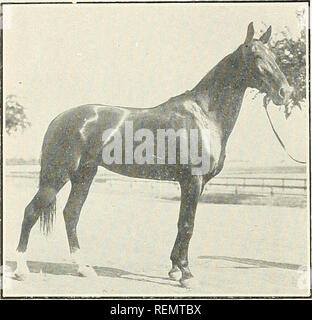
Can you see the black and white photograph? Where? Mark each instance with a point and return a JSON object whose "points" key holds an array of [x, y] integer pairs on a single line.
{"points": [[155, 149]]}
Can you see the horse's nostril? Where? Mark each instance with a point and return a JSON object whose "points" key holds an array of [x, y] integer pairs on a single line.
{"points": [[282, 93]]}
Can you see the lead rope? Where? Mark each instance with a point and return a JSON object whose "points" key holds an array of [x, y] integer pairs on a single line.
{"points": [[265, 104]]}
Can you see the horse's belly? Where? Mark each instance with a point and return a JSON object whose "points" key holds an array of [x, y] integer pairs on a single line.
{"points": [[149, 171]]}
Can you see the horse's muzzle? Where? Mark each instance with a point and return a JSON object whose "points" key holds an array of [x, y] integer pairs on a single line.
{"points": [[284, 95]]}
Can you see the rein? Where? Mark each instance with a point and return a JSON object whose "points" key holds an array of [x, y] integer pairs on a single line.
{"points": [[265, 104]]}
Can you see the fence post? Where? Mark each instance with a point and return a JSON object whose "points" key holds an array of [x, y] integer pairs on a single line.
{"points": [[236, 195]]}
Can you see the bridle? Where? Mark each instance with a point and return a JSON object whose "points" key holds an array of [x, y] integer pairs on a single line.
{"points": [[265, 104]]}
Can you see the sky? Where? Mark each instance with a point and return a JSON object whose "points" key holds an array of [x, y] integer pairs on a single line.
{"points": [[60, 56]]}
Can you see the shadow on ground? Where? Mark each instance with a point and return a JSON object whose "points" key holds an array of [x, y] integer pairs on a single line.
{"points": [[254, 262], [278, 200], [72, 270]]}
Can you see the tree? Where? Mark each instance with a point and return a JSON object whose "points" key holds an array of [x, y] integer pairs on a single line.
{"points": [[290, 55], [15, 117]]}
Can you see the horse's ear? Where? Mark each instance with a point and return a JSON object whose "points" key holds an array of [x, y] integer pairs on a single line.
{"points": [[250, 33], [266, 36]]}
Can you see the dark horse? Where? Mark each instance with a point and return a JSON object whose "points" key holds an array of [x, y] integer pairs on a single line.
{"points": [[73, 144]]}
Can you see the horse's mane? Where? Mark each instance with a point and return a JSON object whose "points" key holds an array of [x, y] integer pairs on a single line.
{"points": [[220, 72]]}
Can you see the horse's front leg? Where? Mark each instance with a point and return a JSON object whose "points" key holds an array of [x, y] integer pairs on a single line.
{"points": [[190, 192]]}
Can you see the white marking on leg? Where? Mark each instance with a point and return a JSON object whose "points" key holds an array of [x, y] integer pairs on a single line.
{"points": [[21, 265], [84, 269], [76, 257]]}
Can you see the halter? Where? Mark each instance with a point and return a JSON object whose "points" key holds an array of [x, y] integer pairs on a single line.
{"points": [[265, 104]]}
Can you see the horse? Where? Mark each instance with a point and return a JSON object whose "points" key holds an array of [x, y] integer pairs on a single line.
{"points": [[73, 146]]}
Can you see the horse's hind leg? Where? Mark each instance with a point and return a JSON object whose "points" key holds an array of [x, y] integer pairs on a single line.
{"points": [[81, 182], [44, 198]]}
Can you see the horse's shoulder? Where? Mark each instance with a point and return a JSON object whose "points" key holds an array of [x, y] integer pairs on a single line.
{"points": [[190, 108]]}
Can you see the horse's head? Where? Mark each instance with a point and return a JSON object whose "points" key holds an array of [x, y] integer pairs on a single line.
{"points": [[263, 72]]}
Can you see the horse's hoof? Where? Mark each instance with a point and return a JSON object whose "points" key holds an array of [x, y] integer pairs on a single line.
{"points": [[21, 272], [86, 271], [174, 275], [189, 283], [20, 275]]}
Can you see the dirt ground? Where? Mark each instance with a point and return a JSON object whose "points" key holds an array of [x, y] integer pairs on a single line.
{"points": [[235, 250]]}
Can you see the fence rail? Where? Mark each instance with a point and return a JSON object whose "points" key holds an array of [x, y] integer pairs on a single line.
{"points": [[235, 184], [262, 183]]}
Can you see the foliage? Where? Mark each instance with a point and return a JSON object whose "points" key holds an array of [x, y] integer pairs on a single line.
{"points": [[291, 58], [290, 55], [15, 117]]}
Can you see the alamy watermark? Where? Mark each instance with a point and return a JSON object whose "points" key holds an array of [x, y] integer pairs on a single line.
{"points": [[184, 147]]}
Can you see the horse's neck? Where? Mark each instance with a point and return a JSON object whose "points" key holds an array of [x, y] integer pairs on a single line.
{"points": [[220, 93]]}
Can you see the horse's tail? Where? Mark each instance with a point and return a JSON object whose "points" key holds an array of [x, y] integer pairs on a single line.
{"points": [[47, 217], [48, 213], [53, 170]]}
